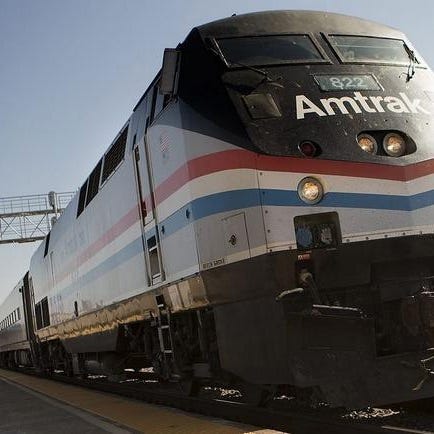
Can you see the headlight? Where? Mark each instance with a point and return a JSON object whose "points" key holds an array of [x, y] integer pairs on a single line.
{"points": [[310, 190], [367, 143], [394, 145]]}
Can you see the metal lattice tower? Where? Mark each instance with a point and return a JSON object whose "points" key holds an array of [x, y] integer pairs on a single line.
{"points": [[29, 218]]}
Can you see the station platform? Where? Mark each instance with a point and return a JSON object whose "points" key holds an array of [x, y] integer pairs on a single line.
{"points": [[33, 405]]}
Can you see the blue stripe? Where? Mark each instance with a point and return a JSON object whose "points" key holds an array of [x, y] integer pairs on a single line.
{"points": [[353, 200], [209, 205], [379, 201], [241, 199], [129, 251]]}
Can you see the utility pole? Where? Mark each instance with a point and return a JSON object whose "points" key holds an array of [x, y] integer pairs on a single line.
{"points": [[24, 219]]}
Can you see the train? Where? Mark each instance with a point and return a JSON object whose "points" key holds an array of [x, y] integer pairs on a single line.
{"points": [[264, 218]]}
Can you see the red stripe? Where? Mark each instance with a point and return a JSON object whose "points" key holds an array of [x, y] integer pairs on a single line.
{"points": [[117, 229], [241, 159], [205, 165], [347, 168]]}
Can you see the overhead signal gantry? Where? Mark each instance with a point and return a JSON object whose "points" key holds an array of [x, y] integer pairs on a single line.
{"points": [[24, 219]]}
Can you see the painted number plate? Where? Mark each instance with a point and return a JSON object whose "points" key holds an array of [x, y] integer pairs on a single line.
{"points": [[338, 82]]}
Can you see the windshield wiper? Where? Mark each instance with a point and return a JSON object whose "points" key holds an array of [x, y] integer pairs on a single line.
{"points": [[411, 69], [265, 75]]}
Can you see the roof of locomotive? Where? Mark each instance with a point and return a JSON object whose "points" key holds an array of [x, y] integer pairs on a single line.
{"points": [[269, 22]]}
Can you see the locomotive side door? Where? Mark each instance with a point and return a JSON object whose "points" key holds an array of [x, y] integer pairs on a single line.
{"points": [[145, 192]]}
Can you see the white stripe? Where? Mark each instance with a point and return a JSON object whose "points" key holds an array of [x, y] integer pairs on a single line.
{"points": [[356, 224], [103, 254], [347, 184], [219, 182], [240, 179], [374, 235]]}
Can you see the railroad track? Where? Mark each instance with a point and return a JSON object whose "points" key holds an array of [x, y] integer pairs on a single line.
{"points": [[294, 422]]}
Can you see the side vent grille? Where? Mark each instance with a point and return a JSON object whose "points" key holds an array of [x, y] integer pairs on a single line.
{"points": [[82, 198], [93, 183], [114, 155]]}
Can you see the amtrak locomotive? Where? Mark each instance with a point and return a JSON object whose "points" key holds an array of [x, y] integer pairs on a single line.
{"points": [[265, 215]]}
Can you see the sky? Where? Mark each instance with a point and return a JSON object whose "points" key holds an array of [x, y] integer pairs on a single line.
{"points": [[71, 72]]}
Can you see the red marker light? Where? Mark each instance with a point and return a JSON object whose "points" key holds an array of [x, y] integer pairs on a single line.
{"points": [[308, 149]]}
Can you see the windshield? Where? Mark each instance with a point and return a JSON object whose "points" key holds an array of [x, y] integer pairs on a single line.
{"points": [[266, 50], [371, 50]]}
